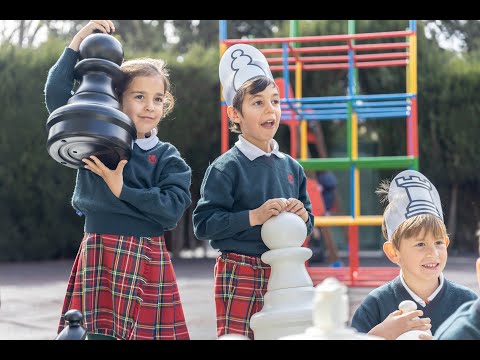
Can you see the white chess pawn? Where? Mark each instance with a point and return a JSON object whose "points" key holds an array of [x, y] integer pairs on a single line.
{"points": [[408, 306], [287, 307]]}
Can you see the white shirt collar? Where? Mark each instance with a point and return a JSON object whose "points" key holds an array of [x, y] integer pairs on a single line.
{"points": [[252, 152], [416, 297], [150, 142]]}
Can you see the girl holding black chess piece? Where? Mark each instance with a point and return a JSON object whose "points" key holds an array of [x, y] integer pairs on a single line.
{"points": [[122, 279]]}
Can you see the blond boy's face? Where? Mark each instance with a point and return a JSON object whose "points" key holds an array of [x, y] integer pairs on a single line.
{"points": [[422, 257], [260, 117]]}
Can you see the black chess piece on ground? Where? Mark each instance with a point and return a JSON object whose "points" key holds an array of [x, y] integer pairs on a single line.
{"points": [[74, 330], [91, 123]]}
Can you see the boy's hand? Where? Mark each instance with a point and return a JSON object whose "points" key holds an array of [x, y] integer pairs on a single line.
{"points": [[296, 206], [113, 178], [398, 323], [270, 208], [105, 26]]}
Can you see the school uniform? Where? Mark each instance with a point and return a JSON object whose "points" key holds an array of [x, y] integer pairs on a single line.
{"points": [[122, 278], [238, 181]]}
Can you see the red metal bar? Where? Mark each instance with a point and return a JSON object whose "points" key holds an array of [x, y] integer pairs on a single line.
{"points": [[306, 59], [224, 129], [383, 46], [321, 49], [293, 124], [325, 66], [292, 127], [364, 36], [307, 50], [372, 64], [367, 276], [383, 56], [338, 66], [363, 57], [280, 68], [353, 252]]}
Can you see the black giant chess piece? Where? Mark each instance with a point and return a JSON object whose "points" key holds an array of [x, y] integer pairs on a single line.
{"points": [[74, 330], [91, 123]]}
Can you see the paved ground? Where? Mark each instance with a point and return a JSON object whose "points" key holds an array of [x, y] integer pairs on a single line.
{"points": [[31, 294]]}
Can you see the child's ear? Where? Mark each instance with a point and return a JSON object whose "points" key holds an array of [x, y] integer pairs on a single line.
{"points": [[447, 241], [391, 252], [232, 114]]}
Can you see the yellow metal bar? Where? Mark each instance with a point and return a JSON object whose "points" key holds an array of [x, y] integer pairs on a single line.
{"points": [[354, 135], [303, 140], [356, 175], [303, 122], [365, 220], [413, 65], [357, 192], [222, 48]]}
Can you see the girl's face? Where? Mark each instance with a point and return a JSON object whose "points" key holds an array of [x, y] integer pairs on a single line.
{"points": [[260, 117], [142, 101]]}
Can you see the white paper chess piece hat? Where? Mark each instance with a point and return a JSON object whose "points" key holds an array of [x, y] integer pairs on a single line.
{"points": [[410, 194], [241, 62]]}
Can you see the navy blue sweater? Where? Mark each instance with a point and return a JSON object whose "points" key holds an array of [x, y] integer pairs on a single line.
{"points": [[156, 182], [385, 299], [463, 324], [233, 185]]}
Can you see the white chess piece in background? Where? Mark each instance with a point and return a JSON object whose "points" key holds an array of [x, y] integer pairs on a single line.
{"points": [[408, 306], [330, 315]]}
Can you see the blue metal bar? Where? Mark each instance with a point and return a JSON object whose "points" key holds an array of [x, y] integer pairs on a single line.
{"points": [[222, 30]]}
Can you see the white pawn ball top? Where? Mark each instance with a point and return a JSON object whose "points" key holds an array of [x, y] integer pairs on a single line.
{"points": [[407, 306], [283, 231]]}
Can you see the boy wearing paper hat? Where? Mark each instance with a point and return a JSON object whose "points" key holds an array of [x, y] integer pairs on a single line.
{"points": [[417, 242], [246, 186]]}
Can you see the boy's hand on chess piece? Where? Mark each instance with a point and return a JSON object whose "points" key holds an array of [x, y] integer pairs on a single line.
{"points": [[398, 323], [113, 178], [104, 26], [271, 207], [296, 206]]}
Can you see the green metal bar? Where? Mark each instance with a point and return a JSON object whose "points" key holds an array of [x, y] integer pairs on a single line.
{"points": [[294, 31], [317, 164], [416, 164], [385, 162], [378, 162]]}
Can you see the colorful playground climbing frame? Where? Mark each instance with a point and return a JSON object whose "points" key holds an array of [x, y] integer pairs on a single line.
{"points": [[289, 57]]}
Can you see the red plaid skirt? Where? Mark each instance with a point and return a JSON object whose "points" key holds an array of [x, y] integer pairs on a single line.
{"points": [[240, 285], [126, 287]]}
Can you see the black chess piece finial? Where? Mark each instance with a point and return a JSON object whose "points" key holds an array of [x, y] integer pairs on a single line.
{"points": [[74, 330], [91, 123]]}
